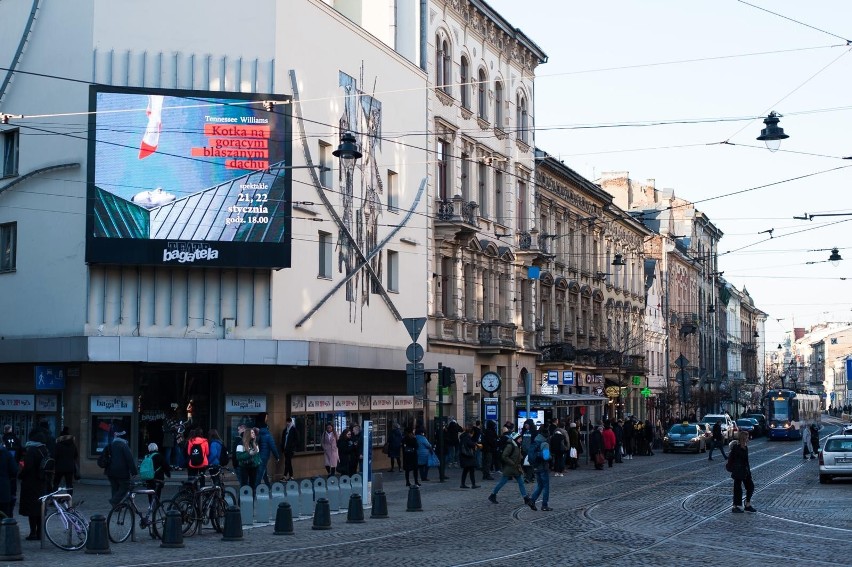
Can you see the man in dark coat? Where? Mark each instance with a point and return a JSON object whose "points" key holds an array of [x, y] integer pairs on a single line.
{"points": [[8, 481], [267, 447], [33, 486], [66, 455], [11, 442], [289, 443], [489, 447], [121, 467], [741, 473]]}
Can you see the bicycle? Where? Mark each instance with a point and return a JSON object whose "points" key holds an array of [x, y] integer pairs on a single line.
{"points": [[65, 527], [121, 519], [199, 505]]}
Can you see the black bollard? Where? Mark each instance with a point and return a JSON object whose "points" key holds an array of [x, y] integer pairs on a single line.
{"points": [[172, 530], [233, 525], [355, 515], [322, 515], [414, 504], [10, 540], [98, 540], [284, 519], [380, 505]]}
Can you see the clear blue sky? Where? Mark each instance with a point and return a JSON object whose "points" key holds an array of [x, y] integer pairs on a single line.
{"points": [[613, 62]]}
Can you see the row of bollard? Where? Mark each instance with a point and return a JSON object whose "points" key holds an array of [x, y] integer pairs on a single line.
{"points": [[259, 504], [172, 537]]}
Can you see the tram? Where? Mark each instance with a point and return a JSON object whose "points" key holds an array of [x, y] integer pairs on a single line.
{"points": [[788, 411]]}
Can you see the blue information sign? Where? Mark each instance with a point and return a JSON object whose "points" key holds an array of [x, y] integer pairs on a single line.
{"points": [[553, 377], [491, 411], [568, 377], [50, 377]]}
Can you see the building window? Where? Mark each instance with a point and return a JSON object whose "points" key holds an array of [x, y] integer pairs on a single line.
{"points": [[482, 91], [393, 191], [442, 65], [8, 246], [522, 118], [483, 189], [499, 212], [325, 162], [521, 213], [465, 176], [10, 153], [464, 95], [498, 104], [325, 247], [393, 271], [444, 185]]}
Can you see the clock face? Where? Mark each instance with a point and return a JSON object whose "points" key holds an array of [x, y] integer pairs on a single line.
{"points": [[491, 382]]}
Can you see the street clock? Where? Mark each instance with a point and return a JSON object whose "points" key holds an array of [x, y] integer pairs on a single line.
{"points": [[490, 382]]}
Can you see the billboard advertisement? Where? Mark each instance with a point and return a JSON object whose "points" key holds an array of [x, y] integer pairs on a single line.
{"points": [[188, 178]]}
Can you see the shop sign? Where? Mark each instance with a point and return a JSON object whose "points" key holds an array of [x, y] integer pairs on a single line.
{"points": [[298, 404], [111, 404], [17, 402], [568, 377], [381, 403], [363, 403], [403, 402], [613, 391], [594, 379], [418, 403], [320, 403], [46, 403], [345, 403], [245, 403]]}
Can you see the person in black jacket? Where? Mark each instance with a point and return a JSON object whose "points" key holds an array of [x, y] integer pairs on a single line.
{"points": [[161, 470], [33, 486], [121, 467], [11, 441], [489, 447], [65, 454], [8, 481], [741, 472]]}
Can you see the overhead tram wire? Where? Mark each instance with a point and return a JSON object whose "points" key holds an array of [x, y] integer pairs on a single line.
{"points": [[848, 42]]}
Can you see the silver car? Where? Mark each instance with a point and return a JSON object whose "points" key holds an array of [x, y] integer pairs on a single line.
{"points": [[835, 459]]}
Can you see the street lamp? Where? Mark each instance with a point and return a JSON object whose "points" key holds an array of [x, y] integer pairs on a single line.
{"points": [[835, 257], [772, 134], [618, 260], [348, 148]]}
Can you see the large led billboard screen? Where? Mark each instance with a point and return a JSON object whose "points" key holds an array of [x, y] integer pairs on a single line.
{"points": [[190, 178]]}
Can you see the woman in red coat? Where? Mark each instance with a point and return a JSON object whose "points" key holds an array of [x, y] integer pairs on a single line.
{"points": [[608, 443]]}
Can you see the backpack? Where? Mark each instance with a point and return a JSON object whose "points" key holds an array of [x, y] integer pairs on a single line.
{"points": [[105, 458], [47, 468], [146, 469], [224, 456], [196, 456]]}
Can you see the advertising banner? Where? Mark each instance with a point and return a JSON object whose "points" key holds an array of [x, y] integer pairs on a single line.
{"points": [[191, 178]]}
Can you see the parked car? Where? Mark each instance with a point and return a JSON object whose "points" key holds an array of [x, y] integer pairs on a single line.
{"points": [[685, 437], [761, 420], [835, 459], [728, 426], [750, 425]]}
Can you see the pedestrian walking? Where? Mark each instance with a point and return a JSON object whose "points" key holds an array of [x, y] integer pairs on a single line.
{"points": [[289, 442], [814, 440], [489, 448], [8, 481], [806, 442], [266, 449], [528, 432], [395, 447], [575, 447], [424, 450], [510, 467], [331, 456], [66, 455], [540, 461], [409, 456], [33, 485], [247, 455], [121, 467], [467, 456], [558, 442], [161, 470], [596, 448], [717, 441], [649, 437], [741, 473], [608, 438]]}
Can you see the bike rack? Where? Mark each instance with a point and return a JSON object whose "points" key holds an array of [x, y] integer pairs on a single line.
{"points": [[61, 497]]}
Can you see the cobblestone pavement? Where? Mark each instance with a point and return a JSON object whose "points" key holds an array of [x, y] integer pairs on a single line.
{"points": [[664, 510]]}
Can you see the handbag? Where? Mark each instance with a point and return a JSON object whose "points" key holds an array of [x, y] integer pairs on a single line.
{"points": [[599, 458], [573, 453], [433, 460]]}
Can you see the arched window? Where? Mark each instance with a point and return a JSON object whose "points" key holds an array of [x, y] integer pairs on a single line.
{"points": [[498, 104], [465, 83], [522, 118], [442, 65], [481, 89]]}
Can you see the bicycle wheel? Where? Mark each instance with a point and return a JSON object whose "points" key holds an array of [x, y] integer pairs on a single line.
{"points": [[120, 523], [158, 521], [187, 514], [231, 499], [217, 514], [66, 531]]}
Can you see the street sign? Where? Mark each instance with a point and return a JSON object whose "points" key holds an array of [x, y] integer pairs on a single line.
{"points": [[682, 361], [414, 326], [414, 352], [50, 377]]}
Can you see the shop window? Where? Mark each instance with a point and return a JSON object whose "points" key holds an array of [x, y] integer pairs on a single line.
{"points": [[102, 432]]}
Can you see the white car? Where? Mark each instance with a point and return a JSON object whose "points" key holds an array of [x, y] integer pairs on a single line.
{"points": [[728, 427]]}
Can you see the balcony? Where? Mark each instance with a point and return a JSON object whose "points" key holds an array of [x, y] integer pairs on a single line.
{"points": [[493, 337], [456, 216], [557, 352]]}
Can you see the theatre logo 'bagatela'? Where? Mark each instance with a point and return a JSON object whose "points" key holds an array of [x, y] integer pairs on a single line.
{"points": [[189, 177]]}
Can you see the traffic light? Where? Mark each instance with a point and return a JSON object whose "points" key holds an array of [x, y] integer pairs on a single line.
{"points": [[447, 376]]}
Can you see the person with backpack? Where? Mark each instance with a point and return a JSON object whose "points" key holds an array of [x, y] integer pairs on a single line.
{"points": [[121, 466], [510, 459], [8, 481], [154, 469], [559, 448], [539, 457], [66, 456], [34, 483], [197, 453]]}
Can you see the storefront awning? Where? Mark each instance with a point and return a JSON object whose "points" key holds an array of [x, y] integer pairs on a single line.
{"points": [[560, 400]]}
